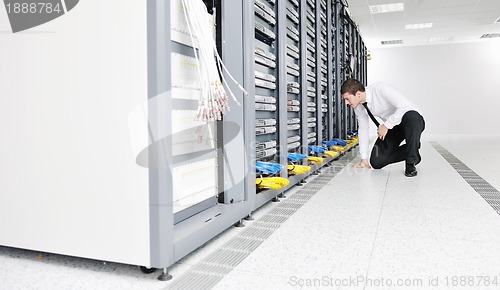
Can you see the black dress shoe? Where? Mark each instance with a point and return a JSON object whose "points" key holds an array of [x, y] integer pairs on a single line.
{"points": [[410, 171]]}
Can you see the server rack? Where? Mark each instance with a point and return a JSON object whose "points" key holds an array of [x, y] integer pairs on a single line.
{"points": [[222, 165], [324, 105], [350, 63], [331, 68], [295, 115], [362, 61], [309, 76], [267, 70], [336, 40], [356, 62]]}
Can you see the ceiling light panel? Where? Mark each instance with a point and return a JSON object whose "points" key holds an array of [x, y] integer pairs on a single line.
{"points": [[418, 26], [490, 35], [375, 9], [441, 39]]}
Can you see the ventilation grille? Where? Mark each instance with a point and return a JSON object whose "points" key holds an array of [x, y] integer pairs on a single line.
{"points": [[481, 186], [389, 42]]}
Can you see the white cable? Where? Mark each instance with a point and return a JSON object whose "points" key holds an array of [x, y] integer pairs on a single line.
{"points": [[213, 102]]}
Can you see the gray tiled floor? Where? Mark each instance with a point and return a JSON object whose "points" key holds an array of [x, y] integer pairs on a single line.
{"points": [[364, 230]]}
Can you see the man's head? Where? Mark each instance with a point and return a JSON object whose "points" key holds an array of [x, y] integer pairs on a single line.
{"points": [[353, 92]]}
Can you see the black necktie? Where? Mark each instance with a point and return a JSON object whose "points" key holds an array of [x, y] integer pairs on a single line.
{"points": [[371, 115], [374, 120]]}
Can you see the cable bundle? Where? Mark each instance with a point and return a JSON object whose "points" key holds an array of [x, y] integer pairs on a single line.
{"points": [[351, 134], [351, 142], [338, 148], [314, 159], [271, 182], [339, 141], [330, 153], [267, 167], [316, 149], [297, 169], [293, 157], [213, 101], [329, 143]]}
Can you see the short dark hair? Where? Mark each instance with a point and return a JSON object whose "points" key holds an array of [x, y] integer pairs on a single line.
{"points": [[352, 86]]}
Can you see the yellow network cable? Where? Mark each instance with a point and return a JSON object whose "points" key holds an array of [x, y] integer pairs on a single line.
{"points": [[298, 169], [271, 182], [352, 140], [303, 168], [280, 180], [338, 148], [330, 153], [314, 159]]}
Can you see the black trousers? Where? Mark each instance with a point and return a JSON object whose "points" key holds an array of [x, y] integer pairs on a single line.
{"points": [[410, 129]]}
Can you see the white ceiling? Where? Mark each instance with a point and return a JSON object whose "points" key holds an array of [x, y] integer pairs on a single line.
{"points": [[453, 21]]}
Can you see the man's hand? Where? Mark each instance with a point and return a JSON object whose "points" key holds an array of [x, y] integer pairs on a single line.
{"points": [[382, 131], [363, 164]]}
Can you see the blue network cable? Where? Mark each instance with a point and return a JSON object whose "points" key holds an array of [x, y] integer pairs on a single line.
{"points": [[316, 149], [329, 143], [340, 141], [267, 167], [295, 156]]}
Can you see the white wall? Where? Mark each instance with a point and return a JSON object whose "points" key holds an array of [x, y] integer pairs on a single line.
{"points": [[456, 85]]}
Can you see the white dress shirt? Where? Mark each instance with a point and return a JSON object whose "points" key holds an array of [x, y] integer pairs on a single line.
{"points": [[387, 104]]}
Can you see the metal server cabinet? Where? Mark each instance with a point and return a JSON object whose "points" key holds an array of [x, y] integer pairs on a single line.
{"points": [[296, 122], [325, 105], [357, 65], [331, 45], [267, 69], [335, 69], [109, 178], [350, 64], [213, 154], [362, 65], [352, 59], [295, 115], [308, 78], [342, 62]]}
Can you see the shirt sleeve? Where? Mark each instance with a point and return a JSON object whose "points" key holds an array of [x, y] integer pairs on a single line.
{"points": [[363, 127], [396, 99]]}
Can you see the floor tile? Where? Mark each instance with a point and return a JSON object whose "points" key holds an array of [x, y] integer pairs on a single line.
{"points": [[423, 260], [460, 224]]}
